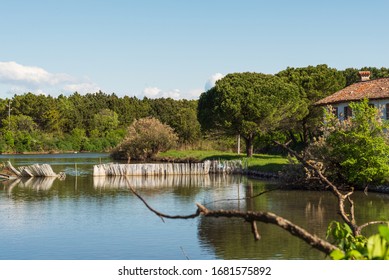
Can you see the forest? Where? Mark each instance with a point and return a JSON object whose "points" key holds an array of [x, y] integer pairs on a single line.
{"points": [[99, 121]]}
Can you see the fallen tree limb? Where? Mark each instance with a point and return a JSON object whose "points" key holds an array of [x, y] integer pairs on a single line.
{"points": [[251, 217]]}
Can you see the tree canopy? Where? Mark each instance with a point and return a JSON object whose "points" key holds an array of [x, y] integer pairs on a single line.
{"points": [[248, 104], [314, 82]]}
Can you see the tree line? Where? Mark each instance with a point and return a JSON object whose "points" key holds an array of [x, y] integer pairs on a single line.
{"points": [[90, 122], [99, 121]]}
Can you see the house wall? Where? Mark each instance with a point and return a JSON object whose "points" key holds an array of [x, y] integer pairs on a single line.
{"points": [[381, 104]]}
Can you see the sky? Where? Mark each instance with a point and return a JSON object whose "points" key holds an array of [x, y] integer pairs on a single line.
{"points": [[178, 48]]}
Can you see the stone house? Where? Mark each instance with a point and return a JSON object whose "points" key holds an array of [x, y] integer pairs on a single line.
{"points": [[377, 91]]}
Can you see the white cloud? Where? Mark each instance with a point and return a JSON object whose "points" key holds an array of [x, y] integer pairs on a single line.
{"points": [[23, 78], [194, 93], [86, 87], [210, 83], [14, 73], [154, 92]]}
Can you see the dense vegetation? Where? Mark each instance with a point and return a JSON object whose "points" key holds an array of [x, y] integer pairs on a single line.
{"points": [[99, 121], [91, 122], [354, 151]]}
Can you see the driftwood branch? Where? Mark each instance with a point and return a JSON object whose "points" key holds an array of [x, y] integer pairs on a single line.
{"points": [[271, 218], [252, 218]]}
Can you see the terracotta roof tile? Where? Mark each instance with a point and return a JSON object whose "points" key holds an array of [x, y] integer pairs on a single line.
{"points": [[372, 89]]}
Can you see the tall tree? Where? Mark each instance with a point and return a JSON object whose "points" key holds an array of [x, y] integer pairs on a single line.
{"points": [[248, 104], [314, 82]]}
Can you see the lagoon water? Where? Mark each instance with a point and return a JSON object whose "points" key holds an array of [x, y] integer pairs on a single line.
{"points": [[84, 217]]}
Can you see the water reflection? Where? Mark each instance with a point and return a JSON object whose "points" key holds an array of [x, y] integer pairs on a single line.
{"points": [[85, 217], [171, 181], [35, 183], [118, 182]]}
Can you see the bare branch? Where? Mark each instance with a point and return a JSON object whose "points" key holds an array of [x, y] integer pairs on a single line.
{"points": [[361, 227], [271, 218], [243, 198], [162, 215]]}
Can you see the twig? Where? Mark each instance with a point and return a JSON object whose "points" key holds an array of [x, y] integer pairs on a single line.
{"points": [[159, 214], [361, 227], [243, 198], [254, 229]]}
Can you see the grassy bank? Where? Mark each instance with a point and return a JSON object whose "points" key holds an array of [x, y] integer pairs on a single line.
{"points": [[259, 162]]}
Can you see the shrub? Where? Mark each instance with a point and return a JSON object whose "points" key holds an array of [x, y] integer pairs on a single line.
{"points": [[145, 138], [354, 151]]}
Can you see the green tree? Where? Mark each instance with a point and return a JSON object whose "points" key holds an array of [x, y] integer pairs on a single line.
{"points": [[104, 121], [145, 138], [314, 82], [187, 125], [352, 74], [19, 123], [354, 151], [248, 104]]}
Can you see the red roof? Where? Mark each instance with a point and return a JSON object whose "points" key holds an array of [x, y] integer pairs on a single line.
{"points": [[371, 89]]}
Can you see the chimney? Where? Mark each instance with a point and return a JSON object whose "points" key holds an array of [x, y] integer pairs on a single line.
{"points": [[365, 75]]}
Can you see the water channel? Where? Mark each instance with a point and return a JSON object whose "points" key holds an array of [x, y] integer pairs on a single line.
{"points": [[84, 217]]}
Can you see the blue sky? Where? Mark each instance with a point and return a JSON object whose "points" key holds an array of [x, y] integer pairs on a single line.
{"points": [[177, 48]]}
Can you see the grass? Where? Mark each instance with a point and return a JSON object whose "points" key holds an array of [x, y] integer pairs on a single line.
{"points": [[259, 162]]}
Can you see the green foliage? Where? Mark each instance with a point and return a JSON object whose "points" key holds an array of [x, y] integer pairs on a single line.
{"points": [[247, 104], [354, 151], [145, 138], [55, 123], [351, 74], [375, 247], [181, 115], [351, 247], [314, 82], [104, 121]]}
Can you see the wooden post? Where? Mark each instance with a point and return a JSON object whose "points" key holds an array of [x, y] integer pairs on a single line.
{"points": [[238, 145]]}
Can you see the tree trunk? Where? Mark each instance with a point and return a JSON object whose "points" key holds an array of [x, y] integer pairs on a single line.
{"points": [[249, 146], [305, 132], [292, 137]]}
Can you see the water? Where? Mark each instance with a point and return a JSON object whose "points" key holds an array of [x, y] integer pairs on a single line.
{"points": [[83, 217]]}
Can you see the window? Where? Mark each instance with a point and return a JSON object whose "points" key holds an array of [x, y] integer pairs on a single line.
{"points": [[387, 111], [347, 112]]}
